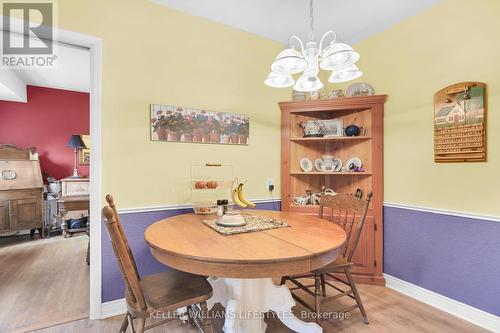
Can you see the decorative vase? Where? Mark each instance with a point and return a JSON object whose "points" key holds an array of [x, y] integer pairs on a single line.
{"points": [[243, 139], [206, 137], [188, 137], [225, 138], [214, 137], [234, 138], [336, 93], [314, 95], [298, 95], [162, 133], [174, 136]]}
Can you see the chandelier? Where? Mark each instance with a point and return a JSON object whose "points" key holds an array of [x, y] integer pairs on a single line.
{"points": [[336, 57]]}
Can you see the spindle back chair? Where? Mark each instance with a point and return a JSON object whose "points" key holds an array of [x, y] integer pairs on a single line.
{"points": [[166, 291], [349, 212]]}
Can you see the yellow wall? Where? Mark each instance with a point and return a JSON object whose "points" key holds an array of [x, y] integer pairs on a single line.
{"points": [[152, 54], [454, 41]]}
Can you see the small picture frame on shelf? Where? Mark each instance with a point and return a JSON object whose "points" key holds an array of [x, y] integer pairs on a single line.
{"points": [[333, 127], [84, 154]]}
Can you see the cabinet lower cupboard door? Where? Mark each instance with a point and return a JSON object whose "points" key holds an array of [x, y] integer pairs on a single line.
{"points": [[4, 215], [25, 213], [364, 257]]}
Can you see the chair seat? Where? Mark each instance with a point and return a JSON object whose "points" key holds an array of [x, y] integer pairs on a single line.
{"points": [[339, 264], [174, 289]]}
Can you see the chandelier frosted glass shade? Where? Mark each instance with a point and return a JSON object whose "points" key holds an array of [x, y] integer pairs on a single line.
{"points": [[289, 61], [345, 74], [308, 83], [276, 80], [337, 56]]}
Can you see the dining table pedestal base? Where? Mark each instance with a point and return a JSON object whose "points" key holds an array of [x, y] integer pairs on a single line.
{"points": [[247, 300]]}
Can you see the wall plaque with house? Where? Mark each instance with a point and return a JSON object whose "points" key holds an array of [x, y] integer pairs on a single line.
{"points": [[460, 123]]}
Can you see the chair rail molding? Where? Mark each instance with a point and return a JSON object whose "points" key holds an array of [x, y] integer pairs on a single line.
{"points": [[456, 308], [443, 212], [148, 209]]}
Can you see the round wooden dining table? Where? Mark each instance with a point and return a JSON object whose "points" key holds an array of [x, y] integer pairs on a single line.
{"points": [[240, 267]]}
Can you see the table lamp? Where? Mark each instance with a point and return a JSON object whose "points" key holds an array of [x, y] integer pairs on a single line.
{"points": [[76, 143]]}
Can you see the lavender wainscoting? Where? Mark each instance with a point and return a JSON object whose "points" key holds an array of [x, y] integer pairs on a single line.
{"points": [[135, 224], [457, 257]]}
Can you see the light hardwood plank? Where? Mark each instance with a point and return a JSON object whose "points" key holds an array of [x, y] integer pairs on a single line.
{"points": [[43, 282], [388, 311]]}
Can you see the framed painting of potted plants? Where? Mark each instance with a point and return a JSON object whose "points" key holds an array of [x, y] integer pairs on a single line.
{"points": [[181, 124]]}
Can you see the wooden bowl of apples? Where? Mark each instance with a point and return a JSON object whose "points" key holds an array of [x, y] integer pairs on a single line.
{"points": [[201, 185]]}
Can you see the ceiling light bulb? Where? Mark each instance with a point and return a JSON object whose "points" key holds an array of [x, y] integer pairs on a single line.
{"points": [[308, 83], [289, 61], [338, 55], [276, 80], [345, 74]]}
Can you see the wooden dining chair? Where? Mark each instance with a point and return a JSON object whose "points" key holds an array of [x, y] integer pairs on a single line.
{"points": [[154, 295], [349, 212]]}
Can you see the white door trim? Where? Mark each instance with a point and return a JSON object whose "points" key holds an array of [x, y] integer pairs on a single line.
{"points": [[94, 44]]}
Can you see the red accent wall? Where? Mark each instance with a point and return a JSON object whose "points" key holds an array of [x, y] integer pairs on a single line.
{"points": [[47, 122]]}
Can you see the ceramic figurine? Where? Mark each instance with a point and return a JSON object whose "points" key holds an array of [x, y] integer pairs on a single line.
{"points": [[336, 93]]}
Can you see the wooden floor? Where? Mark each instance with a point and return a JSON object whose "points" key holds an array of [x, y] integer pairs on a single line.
{"points": [[43, 282], [388, 311]]}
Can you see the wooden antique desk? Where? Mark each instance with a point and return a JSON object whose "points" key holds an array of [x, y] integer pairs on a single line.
{"points": [[75, 198], [21, 190], [72, 207], [241, 266]]}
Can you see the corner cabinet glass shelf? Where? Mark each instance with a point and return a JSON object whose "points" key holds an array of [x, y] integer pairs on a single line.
{"points": [[210, 182]]}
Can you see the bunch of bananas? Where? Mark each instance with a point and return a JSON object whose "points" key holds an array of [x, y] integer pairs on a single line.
{"points": [[240, 199]]}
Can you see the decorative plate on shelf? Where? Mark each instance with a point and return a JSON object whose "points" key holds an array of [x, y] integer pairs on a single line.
{"points": [[353, 163], [318, 163], [360, 89], [306, 165], [338, 164]]}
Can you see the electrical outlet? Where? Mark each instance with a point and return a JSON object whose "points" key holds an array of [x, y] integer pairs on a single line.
{"points": [[270, 184]]}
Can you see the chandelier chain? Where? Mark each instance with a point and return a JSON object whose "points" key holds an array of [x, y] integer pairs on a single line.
{"points": [[311, 20]]}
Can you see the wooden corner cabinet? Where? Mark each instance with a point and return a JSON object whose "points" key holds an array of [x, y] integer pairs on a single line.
{"points": [[366, 112]]}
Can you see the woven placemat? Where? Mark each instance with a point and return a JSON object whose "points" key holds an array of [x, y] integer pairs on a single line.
{"points": [[253, 223]]}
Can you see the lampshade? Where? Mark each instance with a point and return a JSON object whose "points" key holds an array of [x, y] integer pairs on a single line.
{"points": [[345, 74], [76, 142], [289, 61], [338, 55], [308, 83], [276, 80]]}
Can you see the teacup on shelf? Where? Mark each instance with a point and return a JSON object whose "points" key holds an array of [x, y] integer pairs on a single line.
{"points": [[300, 201]]}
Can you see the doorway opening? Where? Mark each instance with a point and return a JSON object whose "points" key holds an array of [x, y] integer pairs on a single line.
{"points": [[67, 237]]}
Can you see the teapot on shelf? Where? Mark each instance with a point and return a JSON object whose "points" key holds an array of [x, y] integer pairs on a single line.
{"points": [[328, 163]]}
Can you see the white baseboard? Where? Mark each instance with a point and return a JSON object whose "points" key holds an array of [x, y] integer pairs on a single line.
{"points": [[113, 308], [456, 308]]}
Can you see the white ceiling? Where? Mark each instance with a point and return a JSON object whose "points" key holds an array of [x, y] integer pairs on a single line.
{"points": [[353, 20], [72, 73]]}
